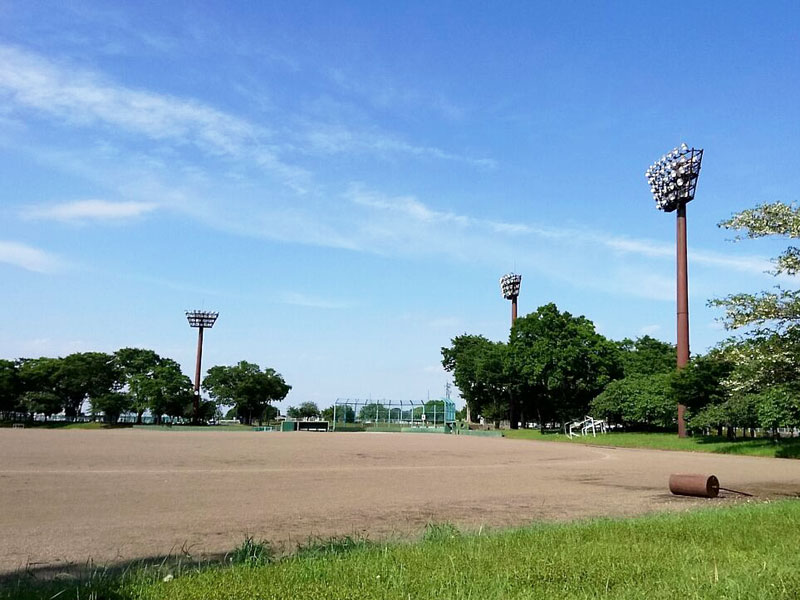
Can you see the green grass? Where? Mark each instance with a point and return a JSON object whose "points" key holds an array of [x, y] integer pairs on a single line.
{"points": [[785, 448], [742, 552], [66, 425], [195, 427]]}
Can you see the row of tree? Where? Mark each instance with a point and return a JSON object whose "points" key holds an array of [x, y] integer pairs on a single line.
{"points": [[556, 368], [132, 381]]}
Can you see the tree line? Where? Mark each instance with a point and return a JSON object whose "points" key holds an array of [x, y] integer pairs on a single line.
{"points": [[556, 368], [132, 381]]}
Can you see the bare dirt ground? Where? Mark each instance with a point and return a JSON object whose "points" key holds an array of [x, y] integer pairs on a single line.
{"points": [[67, 497]]}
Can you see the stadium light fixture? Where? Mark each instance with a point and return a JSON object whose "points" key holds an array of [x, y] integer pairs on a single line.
{"points": [[509, 285], [673, 182], [200, 319]]}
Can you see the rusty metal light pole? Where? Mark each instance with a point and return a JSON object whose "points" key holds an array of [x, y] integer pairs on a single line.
{"points": [[673, 181], [509, 285], [200, 319]]}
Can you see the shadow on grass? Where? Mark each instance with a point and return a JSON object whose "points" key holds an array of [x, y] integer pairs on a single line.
{"points": [[89, 580], [779, 448], [113, 580]]}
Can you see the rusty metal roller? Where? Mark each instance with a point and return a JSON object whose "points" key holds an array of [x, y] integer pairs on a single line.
{"points": [[687, 484]]}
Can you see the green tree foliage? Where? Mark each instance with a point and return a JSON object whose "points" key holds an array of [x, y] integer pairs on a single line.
{"points": [[10, 387], [83, 376], [646, 356], [307, 410], [39, 379], [779, 406], [164, 390], [373, 411], [112, 405], [42, 402], [480, 370], [137, 366], [769, 311], [638, 402], [699, 383], [344, 414], [561, 362], [765, 377], [247, 387]]}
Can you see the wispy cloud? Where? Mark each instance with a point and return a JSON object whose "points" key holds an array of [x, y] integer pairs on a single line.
{"points": [[299, 299], [407, 206], [89, 210], [83, 97], [636, 246], [28, 257], [80, 97], [337, 138]]}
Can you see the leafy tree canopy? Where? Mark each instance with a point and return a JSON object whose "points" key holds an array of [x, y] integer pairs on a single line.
{"points": [[769, 311], [638, 402], [480, 371], [245, 386], [562, 361], [306, 410], [646, 356]]}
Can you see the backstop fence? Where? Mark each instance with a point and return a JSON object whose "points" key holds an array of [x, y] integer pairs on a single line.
{"points": [[393, 413]]}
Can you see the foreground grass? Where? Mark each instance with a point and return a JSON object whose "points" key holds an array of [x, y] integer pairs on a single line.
{"points": [[743, 552], [785, 448]]}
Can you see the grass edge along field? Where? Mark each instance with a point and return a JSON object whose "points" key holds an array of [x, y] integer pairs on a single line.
{"points": [[744, 551], [783, 448]]}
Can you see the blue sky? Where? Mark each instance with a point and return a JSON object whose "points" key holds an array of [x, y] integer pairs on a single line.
{"points": [[346, 182]]}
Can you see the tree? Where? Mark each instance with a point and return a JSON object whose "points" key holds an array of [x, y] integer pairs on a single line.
{"points": [[561, 363], [83, 376], [638, 402], [646, 356], [112, 405], [480, 371], [137, 365], [247, 387], [43, 402], [372, 411], [307, 410], [344, 413], [700, 385], [774, 311], [766, 373], [10, 387], [39, 381], [167, 390]]}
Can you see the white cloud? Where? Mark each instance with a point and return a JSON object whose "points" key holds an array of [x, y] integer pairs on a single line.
{"points": [[90, 210], [407, 206], [28, 257], [298, 299], [82, 97]]}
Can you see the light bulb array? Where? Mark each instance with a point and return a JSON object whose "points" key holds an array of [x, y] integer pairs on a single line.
{"points": [[201, 318], [509, 285], [673, 178]]}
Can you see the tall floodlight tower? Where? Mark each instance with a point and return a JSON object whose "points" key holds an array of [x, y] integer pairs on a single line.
{"points": [[201, 319], [509, 285], [673, 180]]}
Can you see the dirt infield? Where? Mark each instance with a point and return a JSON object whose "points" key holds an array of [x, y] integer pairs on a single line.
{"points": [[112, 496]]}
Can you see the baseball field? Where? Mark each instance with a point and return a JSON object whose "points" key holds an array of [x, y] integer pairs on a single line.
{"points": [[114, 496]]}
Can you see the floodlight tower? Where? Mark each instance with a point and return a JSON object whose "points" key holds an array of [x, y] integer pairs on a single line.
{"points": [[509, 285], [200, 319], [673, 181]]}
